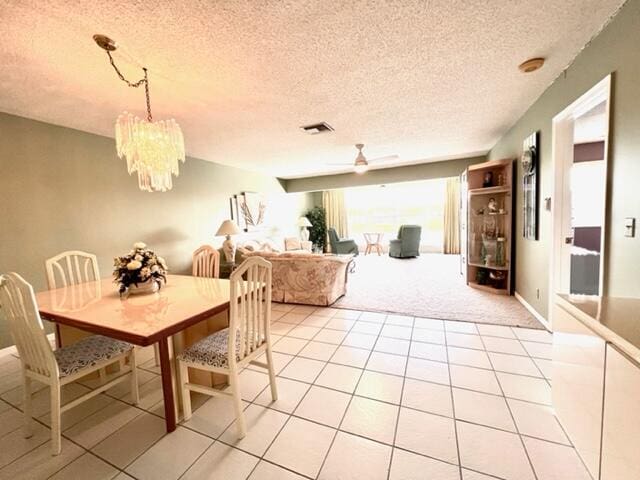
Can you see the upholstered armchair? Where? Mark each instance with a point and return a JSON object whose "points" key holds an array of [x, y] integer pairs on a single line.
{"points": [[343, 246], [408, 242]]}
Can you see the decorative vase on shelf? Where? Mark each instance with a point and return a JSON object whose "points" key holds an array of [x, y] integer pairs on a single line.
{"points": [[500, 253], [483, 253]]}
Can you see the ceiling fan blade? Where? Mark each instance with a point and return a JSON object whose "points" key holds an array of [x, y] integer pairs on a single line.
{"points": [[341, 164], [384, 159]]}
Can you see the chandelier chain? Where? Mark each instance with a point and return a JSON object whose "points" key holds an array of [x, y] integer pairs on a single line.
{"points": [[144, 81], [146, 92]]}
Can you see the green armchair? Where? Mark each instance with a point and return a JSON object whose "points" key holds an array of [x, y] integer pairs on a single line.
{"points": [[343, 246], [408, 242]]}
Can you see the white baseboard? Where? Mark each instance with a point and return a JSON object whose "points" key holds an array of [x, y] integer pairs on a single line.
{"points": [[533, 311]]}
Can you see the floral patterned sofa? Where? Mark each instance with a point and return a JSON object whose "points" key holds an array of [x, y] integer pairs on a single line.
{"points": [[307, 278]]}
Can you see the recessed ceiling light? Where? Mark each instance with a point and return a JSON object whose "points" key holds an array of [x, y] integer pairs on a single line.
{"points": [[531, 65]]}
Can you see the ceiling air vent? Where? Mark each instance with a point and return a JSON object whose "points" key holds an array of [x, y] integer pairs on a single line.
{"points": [[317, 128]]}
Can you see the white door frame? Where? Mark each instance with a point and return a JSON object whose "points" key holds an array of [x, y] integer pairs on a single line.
{"points": [[562, 139]]}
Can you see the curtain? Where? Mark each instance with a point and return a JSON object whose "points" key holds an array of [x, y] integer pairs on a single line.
{"points": [[333, 204], [452, 216]]}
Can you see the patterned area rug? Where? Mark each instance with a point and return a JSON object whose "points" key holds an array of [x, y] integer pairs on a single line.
{"points": [[428, 286]]}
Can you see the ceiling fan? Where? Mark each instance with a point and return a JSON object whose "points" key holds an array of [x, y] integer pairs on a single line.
{"points": [[361, 164]]}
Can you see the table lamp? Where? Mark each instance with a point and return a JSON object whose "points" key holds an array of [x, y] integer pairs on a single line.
{"points": [[228, 228], [304, 223]]}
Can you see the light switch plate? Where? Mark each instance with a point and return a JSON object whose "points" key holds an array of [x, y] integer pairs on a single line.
{"points": [[630, 227]]}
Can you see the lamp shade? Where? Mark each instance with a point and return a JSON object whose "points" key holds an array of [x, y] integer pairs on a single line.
{"points": [[228, 227], [304, 222]]}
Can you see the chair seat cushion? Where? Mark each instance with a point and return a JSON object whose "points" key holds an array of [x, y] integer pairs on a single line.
{"points": [[211, 351], [88, 352]]}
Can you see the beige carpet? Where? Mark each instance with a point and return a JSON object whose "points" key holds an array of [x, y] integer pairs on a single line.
{"points": [[428, 286]]}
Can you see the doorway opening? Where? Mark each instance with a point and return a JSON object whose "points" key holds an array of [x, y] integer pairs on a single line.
{"points": [[580, 146]]}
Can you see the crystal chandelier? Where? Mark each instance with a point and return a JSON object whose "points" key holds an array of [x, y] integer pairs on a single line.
{"points": [[152, 149]]}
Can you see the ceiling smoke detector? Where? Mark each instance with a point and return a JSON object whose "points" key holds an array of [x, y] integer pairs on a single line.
{"points": [[317, 128], [531, 65]]}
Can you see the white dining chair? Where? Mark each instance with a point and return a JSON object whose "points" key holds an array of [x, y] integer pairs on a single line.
{"points": [[231, 349], [206, 262], [62, 366], [71, 268]]}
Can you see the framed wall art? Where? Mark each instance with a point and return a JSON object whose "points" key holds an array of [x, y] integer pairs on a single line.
{"points": [[252, 210], [530, 163]]}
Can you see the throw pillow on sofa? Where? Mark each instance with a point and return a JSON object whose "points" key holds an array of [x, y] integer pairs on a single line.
{"points": [[292, 243], [270, 245]]}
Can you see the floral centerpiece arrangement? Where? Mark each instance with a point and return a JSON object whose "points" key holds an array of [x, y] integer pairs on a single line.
{"points": [[140, 269]]}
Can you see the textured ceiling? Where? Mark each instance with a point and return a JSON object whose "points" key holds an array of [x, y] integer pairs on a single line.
{"points": [[422, 79]]}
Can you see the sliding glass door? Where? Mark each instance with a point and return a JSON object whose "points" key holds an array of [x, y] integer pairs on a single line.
{"points": [[383, 208]]}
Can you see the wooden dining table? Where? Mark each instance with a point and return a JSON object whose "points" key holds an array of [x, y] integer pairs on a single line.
{"points": [[141, 319]]}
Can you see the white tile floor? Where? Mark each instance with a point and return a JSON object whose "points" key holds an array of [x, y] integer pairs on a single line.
{"points": [[408, 398]]}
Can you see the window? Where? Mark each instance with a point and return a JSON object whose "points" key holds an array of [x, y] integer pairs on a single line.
{"points": [[385, 208], [587, 192]]}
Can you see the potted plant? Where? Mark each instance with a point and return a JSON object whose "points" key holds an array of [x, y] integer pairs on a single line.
{"points": [[318, 229]]}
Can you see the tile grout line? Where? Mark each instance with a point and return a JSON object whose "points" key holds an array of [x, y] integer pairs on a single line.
{"points": [[250, 403], [431, 381], [404, 379], [120, 399], [358, 435], [83, 448], [515, 337], [554, 413], [326, 362], [557, 420], [89, 452], [312, 421], [230, 425], [525, 355], [453, 403], [37, 420], [346, 410], [312, 384], [290, 415], [143, 411], [353, 394], [515, 424], [414, 408], [532, 358]]}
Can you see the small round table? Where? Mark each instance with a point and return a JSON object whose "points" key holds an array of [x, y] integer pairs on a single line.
{"points": [[374, 240]]}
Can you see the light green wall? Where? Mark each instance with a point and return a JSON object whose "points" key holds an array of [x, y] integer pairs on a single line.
{"points": [[423, 171], [616, 49], [62, 189]]}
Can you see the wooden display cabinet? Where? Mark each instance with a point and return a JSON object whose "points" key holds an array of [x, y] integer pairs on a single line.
{"points": [[489, 227]]}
